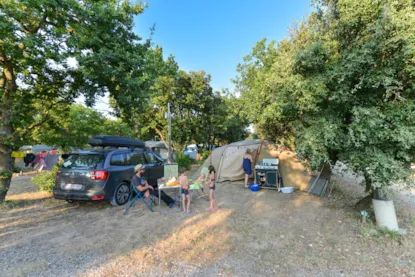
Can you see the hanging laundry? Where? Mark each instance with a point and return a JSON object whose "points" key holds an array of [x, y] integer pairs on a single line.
{"points": [[30, 157], [17, 154]]}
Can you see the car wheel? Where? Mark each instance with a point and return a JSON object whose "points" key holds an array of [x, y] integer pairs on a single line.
{"points": [[121, 194]]}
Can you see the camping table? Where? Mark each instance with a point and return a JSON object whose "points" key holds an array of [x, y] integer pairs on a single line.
{"points": [[177, 196]]}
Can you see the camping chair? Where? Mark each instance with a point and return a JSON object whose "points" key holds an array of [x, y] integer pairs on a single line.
{"points": [[198, 185], [139, 196]]}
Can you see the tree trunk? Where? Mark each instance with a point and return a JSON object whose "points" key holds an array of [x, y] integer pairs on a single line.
{"points": [[8, 87], [364, 204], [163, 139], [6, 170]]}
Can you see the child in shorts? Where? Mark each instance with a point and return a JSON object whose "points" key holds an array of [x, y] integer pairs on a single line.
{"points": [[212, 187], [183, 181]]}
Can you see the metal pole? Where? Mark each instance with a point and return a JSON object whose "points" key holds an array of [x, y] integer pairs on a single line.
{"points": [[169, 117]]}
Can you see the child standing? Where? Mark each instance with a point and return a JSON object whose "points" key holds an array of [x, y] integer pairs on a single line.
{"points": [[211, 183], [183, 181]]}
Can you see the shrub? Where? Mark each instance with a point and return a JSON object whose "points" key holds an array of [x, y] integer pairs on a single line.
{"points": [[16, 169], [184, 161], [46, 179], [204, 155]]}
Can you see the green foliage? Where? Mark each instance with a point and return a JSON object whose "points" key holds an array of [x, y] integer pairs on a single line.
{"points": [[6, 174], [183, 161], [16, 169], [341, 88], [204, 154], [55, 51], [198, 114], [73, 128], [10, 204], [45, 180]]}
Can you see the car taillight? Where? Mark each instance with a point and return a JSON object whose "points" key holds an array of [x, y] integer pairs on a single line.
{"points": [[99, 175]]}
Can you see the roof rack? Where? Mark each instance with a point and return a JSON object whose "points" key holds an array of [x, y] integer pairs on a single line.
{"points": [[115, 141]]}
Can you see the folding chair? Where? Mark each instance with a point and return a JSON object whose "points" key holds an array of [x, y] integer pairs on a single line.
{"points": [[139, 196], [198, 185]]}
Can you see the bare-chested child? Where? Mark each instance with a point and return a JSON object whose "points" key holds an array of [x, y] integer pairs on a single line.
{"points": [[183, 181]]}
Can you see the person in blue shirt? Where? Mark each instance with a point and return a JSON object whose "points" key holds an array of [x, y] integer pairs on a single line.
{"points": [[247, 165], [140, 182]]}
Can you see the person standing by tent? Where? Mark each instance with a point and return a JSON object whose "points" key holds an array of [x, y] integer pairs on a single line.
{"points": [[212, 187], [247, 165]]}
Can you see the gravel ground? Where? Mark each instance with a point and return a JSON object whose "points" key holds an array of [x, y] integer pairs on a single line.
{"points": [[253, 234]]}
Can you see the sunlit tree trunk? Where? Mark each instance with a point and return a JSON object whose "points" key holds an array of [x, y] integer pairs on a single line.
{"points": [[9, 87]]}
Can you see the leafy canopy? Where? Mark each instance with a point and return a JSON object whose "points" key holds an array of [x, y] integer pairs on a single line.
{"points": [[341, 88]]}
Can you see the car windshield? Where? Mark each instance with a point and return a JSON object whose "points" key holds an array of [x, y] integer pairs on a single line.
{"points": [[90, 161]]}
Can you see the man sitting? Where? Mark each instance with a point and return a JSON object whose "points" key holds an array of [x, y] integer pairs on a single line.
{"points": [[142, 185]]}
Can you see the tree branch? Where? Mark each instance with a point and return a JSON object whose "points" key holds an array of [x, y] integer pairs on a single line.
{"points": [[33, 30], [46, 114]]}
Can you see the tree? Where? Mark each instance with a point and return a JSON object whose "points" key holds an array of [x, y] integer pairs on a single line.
{"points": [[191, 98], [41, 41], [75, 127], [341, 88]]}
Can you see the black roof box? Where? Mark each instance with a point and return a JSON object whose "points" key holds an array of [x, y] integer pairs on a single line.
{"points": [[115, 141]]}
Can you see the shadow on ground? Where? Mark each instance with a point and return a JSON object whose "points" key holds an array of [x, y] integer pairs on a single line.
{"points": [[264, 233]]}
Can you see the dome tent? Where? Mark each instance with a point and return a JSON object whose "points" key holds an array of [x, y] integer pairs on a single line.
{"points": [[227, 161]]}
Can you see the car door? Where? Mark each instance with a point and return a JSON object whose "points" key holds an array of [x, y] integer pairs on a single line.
{"points": [[155, 166], [133, 159], [118, 168]]}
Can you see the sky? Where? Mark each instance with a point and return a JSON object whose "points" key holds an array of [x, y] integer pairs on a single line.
{"points": [[214, 35]]}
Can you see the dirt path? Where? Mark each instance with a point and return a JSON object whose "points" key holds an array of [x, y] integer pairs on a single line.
{"points": [[253, 234]]}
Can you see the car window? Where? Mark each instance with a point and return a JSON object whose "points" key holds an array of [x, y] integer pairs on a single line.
{"points": [[118, 159], [151, 158], [164, 154], [135, 158], [84, 161]]}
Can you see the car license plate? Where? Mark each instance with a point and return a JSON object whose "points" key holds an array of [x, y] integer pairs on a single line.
{"points": [[71, 186]]}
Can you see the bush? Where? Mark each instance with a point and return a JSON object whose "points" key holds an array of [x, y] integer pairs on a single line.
{"points": [[184, 161], [204, 155], [46, 179]]}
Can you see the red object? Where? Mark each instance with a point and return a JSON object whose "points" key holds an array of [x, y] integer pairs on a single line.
{"points": [[53, 152], [99, 175], [97, 197], [43, 154]]}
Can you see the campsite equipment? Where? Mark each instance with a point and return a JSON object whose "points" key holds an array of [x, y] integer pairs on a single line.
{"points": [[254, 187], [267, 174], [287, 189], [227, 161], [198, 185], [115, 141], [318, 184], [139, 196]]}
